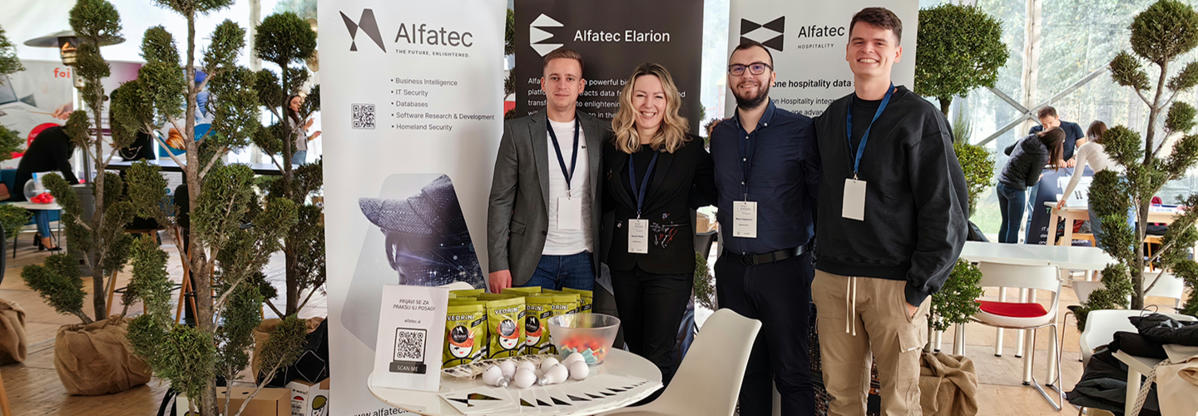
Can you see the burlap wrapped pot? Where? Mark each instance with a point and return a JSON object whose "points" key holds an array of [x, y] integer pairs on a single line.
{"points": [[97, 358], [12, 333]]}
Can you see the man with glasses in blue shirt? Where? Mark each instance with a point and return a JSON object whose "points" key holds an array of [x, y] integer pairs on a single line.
{"points": [[767, 176]]}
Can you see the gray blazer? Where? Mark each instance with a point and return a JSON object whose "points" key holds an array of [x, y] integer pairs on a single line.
{"points": [[517, 214]]}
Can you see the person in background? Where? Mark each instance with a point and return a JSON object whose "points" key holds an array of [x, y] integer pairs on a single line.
{"points": [[1091, 154], [294, 103], [1028, 157], [656, 174], [1074, 137], [50, 151]]}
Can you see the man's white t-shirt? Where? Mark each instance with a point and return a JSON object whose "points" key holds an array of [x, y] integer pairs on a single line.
{"points": [[566, 242]]}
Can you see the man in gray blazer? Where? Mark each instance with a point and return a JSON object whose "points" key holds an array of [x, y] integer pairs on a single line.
{"points": [[544, 211]]}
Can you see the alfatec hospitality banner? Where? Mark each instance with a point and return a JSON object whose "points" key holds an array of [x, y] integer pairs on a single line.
{"points": [[412, 94], [807, 40]]}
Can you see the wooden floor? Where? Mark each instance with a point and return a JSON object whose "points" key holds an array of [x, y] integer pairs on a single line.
{"points": [[34, 389]]}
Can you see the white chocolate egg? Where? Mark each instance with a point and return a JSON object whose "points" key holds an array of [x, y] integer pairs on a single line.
{"points": [[554, 375], [508, 368], [494, 377], [524, 377], [574, 356], [548, 363], [578, 369], [527, 364]]}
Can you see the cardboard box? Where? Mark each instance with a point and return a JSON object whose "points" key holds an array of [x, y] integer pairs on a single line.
{"points": [[268, 402], [309, 399]]}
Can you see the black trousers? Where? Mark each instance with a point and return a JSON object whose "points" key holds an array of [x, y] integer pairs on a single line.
{"points": [[778, 294], [651, 307]]}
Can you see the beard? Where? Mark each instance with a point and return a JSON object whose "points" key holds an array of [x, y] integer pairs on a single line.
{"points": [[752, 102]]}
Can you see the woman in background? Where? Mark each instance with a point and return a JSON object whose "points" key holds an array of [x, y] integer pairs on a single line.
{"points": [[301, 130], [50, 151], [1028, 157], [1091, 154]]}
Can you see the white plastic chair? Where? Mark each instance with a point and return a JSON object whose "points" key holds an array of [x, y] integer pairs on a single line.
{"points": [[1027, 316], [708, 380], [1102, 324], [1167, 286]]}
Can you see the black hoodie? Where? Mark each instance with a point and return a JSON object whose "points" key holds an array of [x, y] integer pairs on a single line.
{"points": [[916, 202]]}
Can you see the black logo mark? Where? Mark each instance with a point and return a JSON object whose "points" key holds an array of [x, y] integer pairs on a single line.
{"points": [[368, 25], [777, 25]]}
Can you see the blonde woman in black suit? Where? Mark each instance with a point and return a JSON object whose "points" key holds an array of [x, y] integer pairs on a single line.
{"points": [[655, 174]]}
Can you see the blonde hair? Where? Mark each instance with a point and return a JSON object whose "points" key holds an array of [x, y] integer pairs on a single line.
{"points": [[670, 135]]}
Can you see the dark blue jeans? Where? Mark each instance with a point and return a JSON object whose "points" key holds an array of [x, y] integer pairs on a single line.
{"points": [[1010, 204], [42, 218], [573, 271]]}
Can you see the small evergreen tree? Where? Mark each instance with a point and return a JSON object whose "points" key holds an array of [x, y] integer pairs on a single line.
{"points": [[288, 41], [232, 228], [1159, 35], [959, 48]]}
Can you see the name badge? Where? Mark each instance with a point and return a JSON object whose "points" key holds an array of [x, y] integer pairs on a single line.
{"points": [[744, 219], [569, 214], [853, 206], [638, 236]]}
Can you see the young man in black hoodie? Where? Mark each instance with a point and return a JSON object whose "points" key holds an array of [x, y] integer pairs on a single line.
{"points": [[891, 224]]}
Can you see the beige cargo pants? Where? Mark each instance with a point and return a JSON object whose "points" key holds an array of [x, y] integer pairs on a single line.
{"points": [[860, 315]]}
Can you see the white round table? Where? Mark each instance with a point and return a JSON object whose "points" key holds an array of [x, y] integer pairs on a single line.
{"points": [[53, 206], [618, 362]]}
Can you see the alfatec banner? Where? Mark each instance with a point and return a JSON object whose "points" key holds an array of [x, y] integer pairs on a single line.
{"points": [[807, 40], [412, 94]]}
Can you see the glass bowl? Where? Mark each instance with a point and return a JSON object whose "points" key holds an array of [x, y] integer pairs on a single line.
{"points": [[589, 334]]}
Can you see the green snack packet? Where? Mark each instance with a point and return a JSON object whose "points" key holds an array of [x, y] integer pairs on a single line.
{"points": [[539, 309], [466, 293], [505, 325], [586, 298], [528, 290], [564, 303], [465, 333]]}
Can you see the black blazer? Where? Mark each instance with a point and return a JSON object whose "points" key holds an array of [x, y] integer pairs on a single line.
{"points": [[681, 182], [50, 151]]}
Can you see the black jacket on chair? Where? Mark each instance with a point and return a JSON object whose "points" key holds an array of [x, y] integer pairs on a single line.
{"points": [[681, 182]]}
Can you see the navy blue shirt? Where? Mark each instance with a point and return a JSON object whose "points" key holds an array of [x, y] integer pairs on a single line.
{"points": [[783, 168], [1073, 132]]}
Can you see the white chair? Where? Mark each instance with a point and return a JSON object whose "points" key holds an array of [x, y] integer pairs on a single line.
{"points": [[1102, 324], [708, 380], [1167, 286], [1024, 316]]}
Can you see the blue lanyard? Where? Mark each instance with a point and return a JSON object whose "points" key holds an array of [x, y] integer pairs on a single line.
{"points": [[864, 137], [640, 192], [561, 161]]}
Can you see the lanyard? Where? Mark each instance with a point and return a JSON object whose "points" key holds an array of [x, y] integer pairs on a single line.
{"points": [[640, 192], [865, 137], [561, 161]]}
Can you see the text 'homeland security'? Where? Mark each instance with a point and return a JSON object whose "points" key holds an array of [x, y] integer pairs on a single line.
{"points": [[629, 35]]}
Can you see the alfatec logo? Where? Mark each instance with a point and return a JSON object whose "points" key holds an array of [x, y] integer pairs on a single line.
{"points": [[777, 26], [368, 25], [536, 34]]}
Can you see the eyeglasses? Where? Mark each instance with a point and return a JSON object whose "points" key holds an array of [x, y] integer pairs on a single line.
{"points": [[756, 68]]}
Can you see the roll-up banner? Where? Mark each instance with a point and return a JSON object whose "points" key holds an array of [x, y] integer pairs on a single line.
{"points": [[411, 97], [613, 37], [807, 40]]}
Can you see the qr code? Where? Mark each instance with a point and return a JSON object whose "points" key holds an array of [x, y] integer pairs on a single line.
{"points": [[363, 116], [409, 344]]}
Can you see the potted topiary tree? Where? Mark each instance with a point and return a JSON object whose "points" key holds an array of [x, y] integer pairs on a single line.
{"points": [[1159, 35], [11, 217], [232, 228], [92, 357], [959, 48]]}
